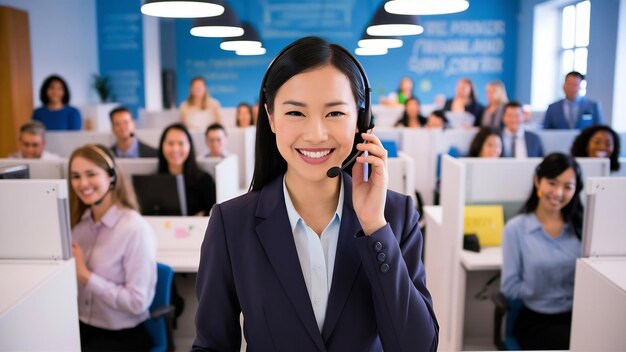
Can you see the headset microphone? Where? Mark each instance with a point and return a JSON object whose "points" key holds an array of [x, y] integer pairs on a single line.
{"points": [[99, 201], [101, 151]]}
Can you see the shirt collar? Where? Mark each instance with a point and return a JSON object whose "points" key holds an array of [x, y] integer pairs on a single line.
{"points": [[109, 219], [533, 225], [133, 151], [520, 132], [292, 213]]}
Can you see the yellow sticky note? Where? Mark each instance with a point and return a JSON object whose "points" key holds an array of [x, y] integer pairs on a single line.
{"points": [[486, 221]]}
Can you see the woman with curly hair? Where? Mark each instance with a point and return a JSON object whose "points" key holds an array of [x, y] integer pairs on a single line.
{"points": [[598, 141]]}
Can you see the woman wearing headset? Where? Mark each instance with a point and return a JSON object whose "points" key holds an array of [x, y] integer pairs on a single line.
{"points": [[315, 262], [115, 253]]}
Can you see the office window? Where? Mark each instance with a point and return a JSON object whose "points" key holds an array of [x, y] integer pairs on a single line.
{"points": [[575, 39]]}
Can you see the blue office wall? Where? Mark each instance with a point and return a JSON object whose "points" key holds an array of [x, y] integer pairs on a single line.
{"points": [[479, 43], [120, 50]]}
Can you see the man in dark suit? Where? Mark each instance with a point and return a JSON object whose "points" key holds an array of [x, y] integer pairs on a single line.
{"points": [[517, 142], [572, 112], [126, 144]]}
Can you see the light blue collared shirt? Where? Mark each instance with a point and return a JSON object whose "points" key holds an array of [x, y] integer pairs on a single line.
{"points": [[537, 268], [316, 254], [133, 151]]}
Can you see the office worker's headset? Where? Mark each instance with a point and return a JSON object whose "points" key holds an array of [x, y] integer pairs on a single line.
{"points": [[108, 159], [365, 119]]}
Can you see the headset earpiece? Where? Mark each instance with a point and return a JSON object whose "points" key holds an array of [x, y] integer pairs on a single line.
{"points": [[108, 160]]}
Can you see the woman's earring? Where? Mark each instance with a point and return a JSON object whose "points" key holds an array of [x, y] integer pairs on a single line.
{"points": [[539, 194]]}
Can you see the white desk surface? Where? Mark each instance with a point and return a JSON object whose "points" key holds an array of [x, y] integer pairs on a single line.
{"points": [[19, 277], [613, 268], [435, 212], [489, 258], [182, 261]]}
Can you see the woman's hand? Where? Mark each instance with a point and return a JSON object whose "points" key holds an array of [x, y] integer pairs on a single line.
{"points": [[368, 198], [82, 272]]}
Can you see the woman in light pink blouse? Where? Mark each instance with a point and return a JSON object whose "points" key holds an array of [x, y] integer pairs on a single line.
{"points": [[115, 253]]}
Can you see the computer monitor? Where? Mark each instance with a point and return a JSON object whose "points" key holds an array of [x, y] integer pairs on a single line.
{"points": [[14, 172], [161, 194]]}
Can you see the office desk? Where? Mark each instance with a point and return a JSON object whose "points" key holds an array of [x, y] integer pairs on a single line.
{"points": [[38, 306], [489, 258], [179, 239], [599, 312], [466, 320]]}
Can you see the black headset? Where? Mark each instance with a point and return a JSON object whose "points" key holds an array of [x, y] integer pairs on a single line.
{"points": [[101, 151], [365, 109]]}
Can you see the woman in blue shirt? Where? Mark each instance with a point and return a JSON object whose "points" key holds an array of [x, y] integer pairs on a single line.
{"points": [[540, 248], [56, 113]]}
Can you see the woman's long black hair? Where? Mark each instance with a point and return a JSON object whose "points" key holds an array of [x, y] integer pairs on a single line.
{"points": [[579, 147], [191, 170], [303, 55], [479, 139], [551, 167]]}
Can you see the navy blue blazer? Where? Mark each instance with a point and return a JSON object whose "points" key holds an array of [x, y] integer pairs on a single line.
{"points": [[378, 298], [145, 151], [589, 113], [534, 146]]}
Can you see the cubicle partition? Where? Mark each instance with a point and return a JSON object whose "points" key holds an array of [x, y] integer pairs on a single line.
{"points": [[38, 309], [222, 171], [599, 308], [456, 275], [160, 119], [40, 169], [63, 143]]}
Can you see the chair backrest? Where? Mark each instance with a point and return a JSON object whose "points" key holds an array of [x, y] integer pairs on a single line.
{"points": [[514, 306], [157, 328]]}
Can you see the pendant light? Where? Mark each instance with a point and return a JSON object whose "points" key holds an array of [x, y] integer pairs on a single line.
{"points": [[249, 40], [182, 8], [368, 41], [224, 25], [388, 24], [426, 7], [371, 51], [251, 51]]}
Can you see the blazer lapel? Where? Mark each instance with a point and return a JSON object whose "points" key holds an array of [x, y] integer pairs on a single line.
{"points": [[347, 262], [276, 237]]}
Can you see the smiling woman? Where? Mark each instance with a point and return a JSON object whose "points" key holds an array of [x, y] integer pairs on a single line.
{"points": [[315, 262], [540, 248], [178, 157], [115, 254]]}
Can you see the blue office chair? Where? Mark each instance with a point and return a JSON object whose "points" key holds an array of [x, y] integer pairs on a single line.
{"points": [[159, 325], [507, 310]]}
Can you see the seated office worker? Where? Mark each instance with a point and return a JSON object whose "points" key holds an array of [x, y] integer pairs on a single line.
{"points": [[517, 142], [216, 140], [599, 141], [176, 157], [32, 142], [540, 248], [115, 253], [126, 144], [487, 143], [315, 262], [573, 111]]}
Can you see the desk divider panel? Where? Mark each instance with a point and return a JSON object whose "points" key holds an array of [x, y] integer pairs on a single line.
{"points": [[442, 253], [34, 220], [227, 184], [603, 229], [63, 143], [40, 169]]}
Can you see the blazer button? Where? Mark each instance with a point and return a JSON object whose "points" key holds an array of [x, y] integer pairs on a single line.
{"points": [[381, 257], [378, 246], [384, 268]]}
